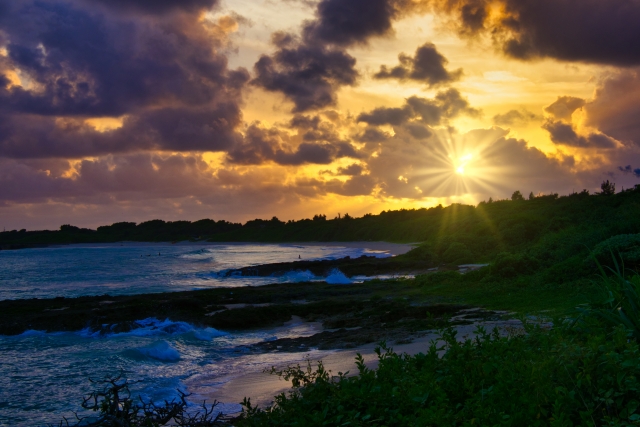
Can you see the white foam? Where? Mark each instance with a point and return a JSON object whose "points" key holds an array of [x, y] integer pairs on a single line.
{"points": [[337, 277], [297, 276], [207, 334], [151, 327], [199, 255], [162, 351]]}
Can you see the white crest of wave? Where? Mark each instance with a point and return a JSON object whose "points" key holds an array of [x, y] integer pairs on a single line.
{"points": [[162, 351], [297, 276], [337, 277]]}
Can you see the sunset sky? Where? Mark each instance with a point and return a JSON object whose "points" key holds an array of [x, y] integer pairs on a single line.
{"points": [[130, 110]]}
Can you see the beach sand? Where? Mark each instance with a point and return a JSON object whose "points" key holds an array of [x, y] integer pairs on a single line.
{"points": [[261, 386]]}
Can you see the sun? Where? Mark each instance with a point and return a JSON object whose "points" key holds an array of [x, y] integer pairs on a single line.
{"points": [[462, 162]]}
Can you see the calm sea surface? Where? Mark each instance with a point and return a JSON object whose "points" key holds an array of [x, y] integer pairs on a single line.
{"points": [[44, 375]]}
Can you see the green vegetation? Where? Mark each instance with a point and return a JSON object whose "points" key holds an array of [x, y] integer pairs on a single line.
{"points": [[585, 372]]}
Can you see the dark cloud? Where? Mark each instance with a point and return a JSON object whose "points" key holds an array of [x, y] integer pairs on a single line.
{"points": [[372, 134], [629, 170], [349, 22], [172, 129], [564, 107], [515, 117], [615, 108], [387, 116], [351, 170], [446, 105], [272, 145], [564, 134], [310, 69], [418, 131], [427, 66], [309, 75], [156, 6], [83, 61], [594, 31], [304, 122]]}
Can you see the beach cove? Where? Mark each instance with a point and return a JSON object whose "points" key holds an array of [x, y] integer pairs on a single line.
{"points": [[78, 336]]}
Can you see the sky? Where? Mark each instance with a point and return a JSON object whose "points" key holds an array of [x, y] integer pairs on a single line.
{"points": [[131, 110]]}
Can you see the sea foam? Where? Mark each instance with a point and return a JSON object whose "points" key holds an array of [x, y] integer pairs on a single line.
{"points": [[337, 277], [160, 350]]}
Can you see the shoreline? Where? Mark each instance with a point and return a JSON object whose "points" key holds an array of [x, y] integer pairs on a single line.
{"points": [[261, 387], [391, 248]]}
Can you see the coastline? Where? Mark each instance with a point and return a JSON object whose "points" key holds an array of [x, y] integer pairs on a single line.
{"points": [[391, 248], [261, 387]]}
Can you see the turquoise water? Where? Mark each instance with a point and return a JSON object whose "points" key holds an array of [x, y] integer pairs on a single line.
{"points": [[44, 375]]}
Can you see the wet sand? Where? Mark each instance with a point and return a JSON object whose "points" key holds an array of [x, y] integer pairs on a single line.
{"points": [[261, 386]]}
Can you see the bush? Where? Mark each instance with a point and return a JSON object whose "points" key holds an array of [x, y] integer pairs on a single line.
{"points": [[554, 378], [625, 247], [438, 278], [507, 265], [421, 253], [457, 253]]}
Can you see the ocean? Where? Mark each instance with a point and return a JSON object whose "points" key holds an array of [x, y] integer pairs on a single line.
{"points": [[43, 376]]}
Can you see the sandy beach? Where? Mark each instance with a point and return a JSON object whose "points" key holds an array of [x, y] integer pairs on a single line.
{"points": [[261, 387]]}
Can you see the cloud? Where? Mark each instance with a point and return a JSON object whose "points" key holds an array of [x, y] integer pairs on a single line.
{"points": [[629, 170], [445, 105], [564, 134], [262, 145], [372, 134], [170, 129], [427, 66], [155, 64], [156, 6], [309, 75], [349, 22], [353, 169], [309, 69], [564, 107], [495, 166], [515, 117], [615, 108], [593, 31]]}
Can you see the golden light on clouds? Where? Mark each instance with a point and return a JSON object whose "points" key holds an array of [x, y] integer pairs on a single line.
{"points": [[263, 107], [105, 124]]}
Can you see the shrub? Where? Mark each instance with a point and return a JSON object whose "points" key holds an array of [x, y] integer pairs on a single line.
{"points": [[561, 377], [457, 253], [508, 265], [625, 247]]}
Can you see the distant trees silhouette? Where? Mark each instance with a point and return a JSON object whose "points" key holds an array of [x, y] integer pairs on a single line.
{"points": [[608, 188], [517, 195]]}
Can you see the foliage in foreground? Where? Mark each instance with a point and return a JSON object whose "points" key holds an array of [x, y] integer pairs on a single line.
{"points": [[543, 379], [585, 372], [116, 408]]}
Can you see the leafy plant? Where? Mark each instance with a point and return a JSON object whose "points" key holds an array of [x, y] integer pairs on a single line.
{"points": [[117, 408], [621, 305]]}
